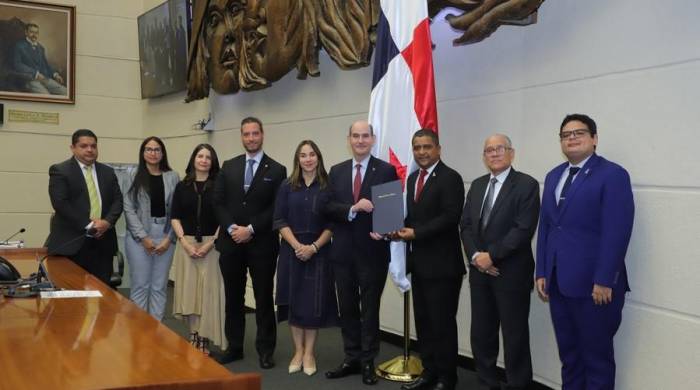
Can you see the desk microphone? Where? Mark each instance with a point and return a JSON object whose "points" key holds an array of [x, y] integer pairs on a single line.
{"points": [[32, 285], [7, 240]]}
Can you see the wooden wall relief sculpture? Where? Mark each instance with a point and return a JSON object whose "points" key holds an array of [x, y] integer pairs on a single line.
{"points": [[247, 44]]}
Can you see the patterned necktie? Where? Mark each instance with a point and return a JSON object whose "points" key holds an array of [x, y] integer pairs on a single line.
{"points": [[357, 183], [95, 209], [248, 175], [488, 203], [421, 183], [572, 172]]}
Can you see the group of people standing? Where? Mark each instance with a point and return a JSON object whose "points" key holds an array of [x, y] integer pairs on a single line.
{"points": [[331, 267]]}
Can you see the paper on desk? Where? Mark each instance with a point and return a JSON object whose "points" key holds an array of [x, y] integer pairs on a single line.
{"points": [[71, 294]]}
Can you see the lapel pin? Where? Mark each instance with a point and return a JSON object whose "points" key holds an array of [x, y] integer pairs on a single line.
{"points": [[587, 170]]}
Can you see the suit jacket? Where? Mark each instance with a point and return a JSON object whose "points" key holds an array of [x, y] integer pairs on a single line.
{"points": [[508, 235], [436, 251], [255, 207], [354, 235], [27, 61], [137, 212], [587, 237], [71, 203]]}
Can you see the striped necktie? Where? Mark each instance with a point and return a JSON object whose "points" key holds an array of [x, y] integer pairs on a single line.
{"points": [[95, 209]]}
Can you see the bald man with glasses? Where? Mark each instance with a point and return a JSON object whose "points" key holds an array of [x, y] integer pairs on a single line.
{"points": [[498, 222]]}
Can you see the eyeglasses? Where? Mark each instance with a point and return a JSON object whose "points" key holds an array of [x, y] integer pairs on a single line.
{"points": [[497, 150], [578, 133], [153, 150]]}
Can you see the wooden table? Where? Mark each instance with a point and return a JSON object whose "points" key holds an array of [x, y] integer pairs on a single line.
{"points": [[96, 343]]}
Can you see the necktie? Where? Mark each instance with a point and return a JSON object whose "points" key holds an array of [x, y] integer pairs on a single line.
{"points": [[488, 203], [572, 172], [248, 175], [419, 186], [95, 209], [357, 182]]}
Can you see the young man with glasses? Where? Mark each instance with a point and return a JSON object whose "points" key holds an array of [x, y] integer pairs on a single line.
{"points": [[585, 227]]}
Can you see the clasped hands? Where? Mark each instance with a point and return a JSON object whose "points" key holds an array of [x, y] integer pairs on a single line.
{"points": [[241, 234], [152, 248], [304, 252], [197, 251], [483, 262]]}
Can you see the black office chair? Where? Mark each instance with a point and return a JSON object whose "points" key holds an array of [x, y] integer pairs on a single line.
{"points": [[116, 279]]}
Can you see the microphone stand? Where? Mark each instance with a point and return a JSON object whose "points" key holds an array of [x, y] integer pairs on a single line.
{"points": [[32, 286], [7, 240]]}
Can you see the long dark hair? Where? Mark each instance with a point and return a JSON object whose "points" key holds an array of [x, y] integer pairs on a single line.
{"points": [[190, 174], [296, 178], [141, 178]]}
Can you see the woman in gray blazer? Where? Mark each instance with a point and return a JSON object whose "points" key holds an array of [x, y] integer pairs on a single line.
{"points": [[149, 239]]}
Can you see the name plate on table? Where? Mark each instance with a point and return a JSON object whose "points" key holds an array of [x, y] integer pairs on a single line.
{"points": [[71, 294], [388, 207]]}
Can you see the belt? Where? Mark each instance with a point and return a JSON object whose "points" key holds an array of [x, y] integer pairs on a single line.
{"points": [[159, 220]]}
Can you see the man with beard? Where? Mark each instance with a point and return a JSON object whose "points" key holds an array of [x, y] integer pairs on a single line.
{"points": [[244, 198]]}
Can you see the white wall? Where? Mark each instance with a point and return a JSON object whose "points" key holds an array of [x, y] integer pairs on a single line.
{"points": [[634, 66], [107, 101]]}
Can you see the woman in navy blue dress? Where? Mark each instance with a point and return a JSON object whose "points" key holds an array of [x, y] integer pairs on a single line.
{"points": [[305, 289]]}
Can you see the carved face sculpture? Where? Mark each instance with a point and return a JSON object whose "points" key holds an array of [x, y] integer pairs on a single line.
{"points": [[223, 18], [246, 51]]}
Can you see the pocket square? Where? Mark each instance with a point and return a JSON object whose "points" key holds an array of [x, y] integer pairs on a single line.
{"points": [[267, 179]]}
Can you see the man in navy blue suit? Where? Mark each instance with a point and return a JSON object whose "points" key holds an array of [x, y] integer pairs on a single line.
{"points": [[585, 227], [29, 61]]}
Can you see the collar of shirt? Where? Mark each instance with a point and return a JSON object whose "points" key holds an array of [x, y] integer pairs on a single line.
{"points": [[429, 169], [579, 165], [83, 166], [364, 162], [501, 177], [34, 45], [257, 157]]}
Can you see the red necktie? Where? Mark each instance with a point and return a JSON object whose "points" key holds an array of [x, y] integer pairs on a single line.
{"points": [[421, 179], [357, 183]]}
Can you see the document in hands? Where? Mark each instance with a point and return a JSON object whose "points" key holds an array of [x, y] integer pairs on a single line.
{"points": [[387, 215]]}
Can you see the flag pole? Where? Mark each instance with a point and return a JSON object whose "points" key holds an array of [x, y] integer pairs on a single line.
{"points": [[404, 368]]}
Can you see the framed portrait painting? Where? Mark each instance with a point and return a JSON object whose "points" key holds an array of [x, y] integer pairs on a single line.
{"points": [[37, 52]]}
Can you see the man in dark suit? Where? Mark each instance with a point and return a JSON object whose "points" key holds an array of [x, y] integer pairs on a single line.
{"points": [[87, 202], [360, 258], [498, 222], [244, 198], [434, 198], [29, 62], [585, 228]]}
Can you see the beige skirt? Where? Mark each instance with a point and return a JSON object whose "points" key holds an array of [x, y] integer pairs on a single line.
{"points": [[199, 292]]}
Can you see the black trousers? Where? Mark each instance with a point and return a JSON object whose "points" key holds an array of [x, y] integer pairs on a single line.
{"points": [[508, 310], [234, 267], [359, 285], [96, 258], [435, 303]]}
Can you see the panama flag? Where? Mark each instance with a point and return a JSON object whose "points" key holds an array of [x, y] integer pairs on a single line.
{"points": [[403, 95]]}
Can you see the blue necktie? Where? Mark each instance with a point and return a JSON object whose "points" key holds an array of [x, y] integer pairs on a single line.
{"points": [[248, 175], [572, 172]]}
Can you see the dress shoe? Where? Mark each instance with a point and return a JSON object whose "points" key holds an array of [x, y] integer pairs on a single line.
{"points": [[443, 386], [294, 367], [343, 370], [421, 383], [369, 377], [266, 361], [227, 356], [310, 367]]}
